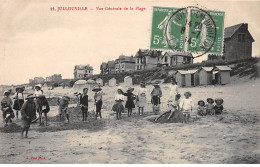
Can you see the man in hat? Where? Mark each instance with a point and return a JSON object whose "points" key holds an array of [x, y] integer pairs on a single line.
{"points": [[84, 104], [6, 107], [27, 111], [156, 94], [98, 100]]}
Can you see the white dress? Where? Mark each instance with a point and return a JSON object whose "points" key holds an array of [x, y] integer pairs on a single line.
{"points": [[141, 97]]}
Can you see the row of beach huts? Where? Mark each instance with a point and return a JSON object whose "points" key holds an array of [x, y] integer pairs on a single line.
{"points": [[188, 78]]}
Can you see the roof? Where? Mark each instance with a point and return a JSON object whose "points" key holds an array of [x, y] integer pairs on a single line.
{"points": [[182, 71], [230, 31], [208, 69], [127, 77], [103, 65], [124, 58], [147, 52], [83, 67], [178, 54], [192, 71], [80, 82], [111, 64], [90, 81], [223, 68]]}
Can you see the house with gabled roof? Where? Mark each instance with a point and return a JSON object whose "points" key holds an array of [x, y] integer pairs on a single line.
{"points": [[205, 75], [170, 59], [237, 42], [124, 64], [221, 75], [146, 59], [107, 67]]}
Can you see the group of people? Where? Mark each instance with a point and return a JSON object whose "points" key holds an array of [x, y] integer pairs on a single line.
{"points": [[36, 102]]}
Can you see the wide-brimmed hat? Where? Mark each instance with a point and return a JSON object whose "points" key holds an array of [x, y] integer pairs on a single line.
{"points": [[16, 89], [188, 92], [178, 96], [41, 97], [142, 83], [219, 100], [119, 88], [38, 85], [97, 88], [30, 96], [67, 98], [201, 101], [7, 92], [130, 89], [156, 83], [210, 99]]}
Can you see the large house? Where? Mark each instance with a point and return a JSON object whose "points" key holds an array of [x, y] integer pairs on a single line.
{"points": [[146, 59], [124, 64], [81, 71], [108, 67], [170, 59], [54, 78], [237, 42]]}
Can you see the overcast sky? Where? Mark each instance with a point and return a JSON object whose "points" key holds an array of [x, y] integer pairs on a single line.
{"points": [[37, 42]]}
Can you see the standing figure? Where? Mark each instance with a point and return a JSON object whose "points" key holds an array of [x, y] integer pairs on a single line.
{"points": [[218, 107], [130, 100], [186, 106], [63, 103], [37, 91], [18, 100], [6, 107], [43, 108], [210, 106], [27, 111], [201, 109], [118, 106], [156, 94], [141, 98], [98, 100], [84, 104]]}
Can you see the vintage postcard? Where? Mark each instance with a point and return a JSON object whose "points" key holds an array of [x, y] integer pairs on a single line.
{"points": [[129, 82]]}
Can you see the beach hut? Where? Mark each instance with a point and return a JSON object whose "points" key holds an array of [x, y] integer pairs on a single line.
{"points": [[91, 84], [112, 82], [128, 81], [79, 85], [221, 75], [180, 77], [205, 75], [192, 78], [100, 81]]}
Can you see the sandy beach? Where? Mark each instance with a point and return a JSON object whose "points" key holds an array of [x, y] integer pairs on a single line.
{"points": [[232, 137]]}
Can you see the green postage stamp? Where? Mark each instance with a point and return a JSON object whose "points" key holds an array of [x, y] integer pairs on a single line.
{"points": [[188, 29]]}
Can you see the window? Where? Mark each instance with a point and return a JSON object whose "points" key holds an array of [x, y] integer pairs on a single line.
{"points": [[138, 60], [165, 59], [241, 37]]}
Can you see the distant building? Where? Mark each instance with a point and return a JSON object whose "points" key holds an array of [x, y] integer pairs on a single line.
{"points": [[81, 71], [237, 42], [38, 80], [54, 78], [170, 59], [146, 59], [107, 67], [221, 75], [214, 57], [124, 64]]}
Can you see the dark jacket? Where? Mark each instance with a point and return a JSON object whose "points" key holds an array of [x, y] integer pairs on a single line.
{"points": [[28, 109], [84, 100]]}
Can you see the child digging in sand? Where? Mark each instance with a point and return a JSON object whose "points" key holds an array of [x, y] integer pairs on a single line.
{"points": [[63, 103], [186, 106], [27, 111]]}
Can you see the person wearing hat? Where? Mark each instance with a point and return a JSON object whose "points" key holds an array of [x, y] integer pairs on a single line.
{"points": [[98, 100], [63, 103], [38, 90], [218, 107], [6, 107], [84, 104], [156, 95], [210, 106], [43, 108], [141, 98], [119, 99], [78, 95], [27, 111], [130, 100], [19, 100], [186, 106], [201, 109]]}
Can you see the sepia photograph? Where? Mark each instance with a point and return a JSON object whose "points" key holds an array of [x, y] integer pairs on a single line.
{"points": [[129, 82]]}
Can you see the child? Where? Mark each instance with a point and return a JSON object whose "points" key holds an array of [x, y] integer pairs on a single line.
{"points": [[27, 111], [201, 108], [63, 107], [186, 106], [43, 108], [141, 98], [210, 107], [118, 106], [98, 100], [19, 100], [130, 101], [218, 107], [156, 94], [84, 104], [78, 96], [38, 91], [6, 107]]}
